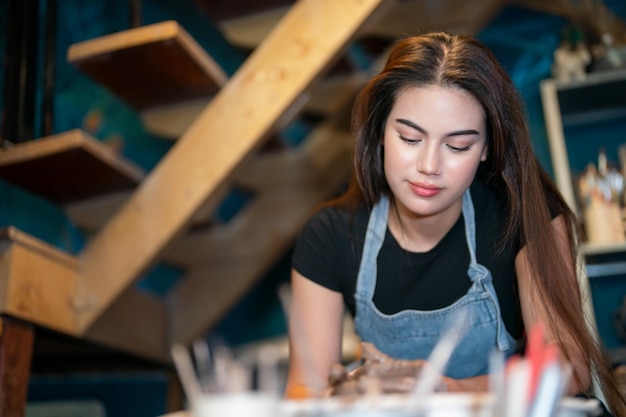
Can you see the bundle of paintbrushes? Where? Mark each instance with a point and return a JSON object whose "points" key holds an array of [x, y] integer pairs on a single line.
{"points": [[216, 384], [534, 385]]}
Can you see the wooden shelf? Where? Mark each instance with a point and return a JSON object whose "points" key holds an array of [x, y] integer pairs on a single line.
{"points": [[597, 248], [150, 66], [598, 97], [67, 167]]}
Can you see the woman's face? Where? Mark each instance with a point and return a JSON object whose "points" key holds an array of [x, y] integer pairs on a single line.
{"points": [[433, 143]]}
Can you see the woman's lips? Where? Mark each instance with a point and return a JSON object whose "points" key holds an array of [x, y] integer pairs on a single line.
{"points": [[424, 190]]}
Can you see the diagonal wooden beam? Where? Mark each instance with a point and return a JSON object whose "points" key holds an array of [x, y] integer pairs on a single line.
{"points": [[305, 42]]}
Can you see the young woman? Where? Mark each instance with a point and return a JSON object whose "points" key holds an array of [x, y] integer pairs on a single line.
{"points": [[449, 209]]}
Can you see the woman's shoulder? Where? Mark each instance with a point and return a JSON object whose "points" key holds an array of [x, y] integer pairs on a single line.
{"points": [[325, 250]]}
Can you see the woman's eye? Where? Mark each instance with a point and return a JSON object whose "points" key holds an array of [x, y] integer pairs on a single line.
{"points": [[459, 149], [409, 141]]}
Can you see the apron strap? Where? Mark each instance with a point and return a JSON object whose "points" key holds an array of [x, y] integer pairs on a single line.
{"points": [[374, 238]]}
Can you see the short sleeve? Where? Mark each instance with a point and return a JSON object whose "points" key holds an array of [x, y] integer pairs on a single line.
{"points": [[317, 254]]}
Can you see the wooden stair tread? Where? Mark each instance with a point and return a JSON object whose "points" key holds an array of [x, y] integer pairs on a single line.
{"points": [[16, 236], [41, 284], [137, 65], [67, 167], [38, 281]]}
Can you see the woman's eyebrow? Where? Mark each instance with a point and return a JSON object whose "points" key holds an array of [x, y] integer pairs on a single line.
{"points": [[417, 127], [411, 125]]}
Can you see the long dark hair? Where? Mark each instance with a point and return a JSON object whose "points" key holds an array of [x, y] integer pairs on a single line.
{"points": [[462, 62]]}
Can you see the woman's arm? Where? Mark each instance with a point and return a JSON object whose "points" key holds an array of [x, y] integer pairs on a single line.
{"points": [[475, 384], [315, 334], [534, 309]]}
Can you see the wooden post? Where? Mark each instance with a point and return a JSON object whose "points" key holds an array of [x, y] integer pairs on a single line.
{"points": [[16, 348]]}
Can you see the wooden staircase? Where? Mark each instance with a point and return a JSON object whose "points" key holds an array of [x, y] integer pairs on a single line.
{"points": [[91, 295]]}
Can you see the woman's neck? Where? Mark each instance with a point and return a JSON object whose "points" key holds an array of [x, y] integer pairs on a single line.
{"points": [[416, 233]]}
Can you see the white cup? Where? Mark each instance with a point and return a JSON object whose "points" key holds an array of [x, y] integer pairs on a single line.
{"points": [[249, 403]]}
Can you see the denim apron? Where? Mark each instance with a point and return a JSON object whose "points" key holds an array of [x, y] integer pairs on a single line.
{"points": [[412, 334]]}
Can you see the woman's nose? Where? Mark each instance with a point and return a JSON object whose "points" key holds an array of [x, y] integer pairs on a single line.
{"points": [[429, 160]]}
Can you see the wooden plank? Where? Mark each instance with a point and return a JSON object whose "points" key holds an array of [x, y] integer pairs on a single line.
{"points": [[16, 346], [556, 142], [242, 114], [12, 236], [67, 167], [136, 323], [40, 282], [149, 66]]}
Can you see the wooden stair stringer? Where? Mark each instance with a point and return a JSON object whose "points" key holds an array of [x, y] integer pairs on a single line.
{"points": [[298, 50]]}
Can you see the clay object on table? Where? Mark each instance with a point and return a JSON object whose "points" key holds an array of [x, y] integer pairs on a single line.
{"points": [[378, 372]]}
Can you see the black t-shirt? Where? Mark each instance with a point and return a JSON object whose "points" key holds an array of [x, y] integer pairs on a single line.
{"points": [[328, 252]]}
